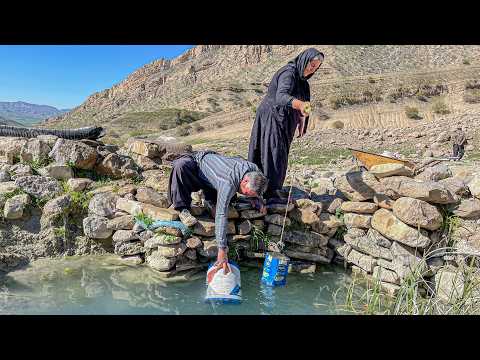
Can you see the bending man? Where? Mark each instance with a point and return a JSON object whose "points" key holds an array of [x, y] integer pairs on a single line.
{"points": [[220, 177]]}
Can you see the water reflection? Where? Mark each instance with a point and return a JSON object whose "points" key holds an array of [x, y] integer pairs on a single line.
{"points": [[103, 285]]}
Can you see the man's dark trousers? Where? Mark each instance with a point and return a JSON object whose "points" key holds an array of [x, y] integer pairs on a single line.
{"points": [[184, 180]]}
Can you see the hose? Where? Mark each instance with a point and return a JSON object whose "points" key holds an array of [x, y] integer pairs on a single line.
{"points": [[91, 132]]}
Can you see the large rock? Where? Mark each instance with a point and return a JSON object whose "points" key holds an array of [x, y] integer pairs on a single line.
{"points": [[304, 216], [474, 186], [157, 179], [407, 261], [79, 184], [204, 227], [121, 236], [388, 225], [146, 163], [134, 208], [250, 214], [429, 191], [15, 206], [310, 239], [96, 227], [59, 172], [325, 259], [75, 153], [143, 148], [416, 213], [129, 206], [129, 248], [34, 150], [10, 149], [357, 220], [171, 250], [365, 245], [280, 208], [57, 206], [159, 262], [157, 213], [209, 250], [194, 243], [149, 196], [4, 176], [449, 284], [435, 173], [386, 275], [103, 204], [468, 209], [383, 201], [39, 186], [277, 219], [245, 227], [391, 169], [359, 207], [365, 262], [379, 239], [162, 239], [125, 222], [455, 185], [358, 185], [117, 166], [19, 170]]}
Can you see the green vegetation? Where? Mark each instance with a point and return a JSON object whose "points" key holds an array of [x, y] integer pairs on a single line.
{"points": [[147, 220], [319, 157], [37, 164], [472, 96], [144, 122], [59, 232], [259, 239], [412, 113], [440, 107], [466, 62], [183, 130], [364, 295], [450, 224]]}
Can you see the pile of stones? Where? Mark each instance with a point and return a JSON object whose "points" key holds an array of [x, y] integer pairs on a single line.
{"points": [[384, 223]]}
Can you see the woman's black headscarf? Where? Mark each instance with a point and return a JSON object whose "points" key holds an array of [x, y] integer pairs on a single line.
{"points": [[302, 60]]}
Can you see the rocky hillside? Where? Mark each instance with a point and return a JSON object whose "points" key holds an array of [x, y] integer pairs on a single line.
{"points": [[27, 113], [219, 79]]}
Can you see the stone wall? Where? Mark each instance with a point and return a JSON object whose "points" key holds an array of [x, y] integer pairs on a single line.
{"points": [[383, 223]]}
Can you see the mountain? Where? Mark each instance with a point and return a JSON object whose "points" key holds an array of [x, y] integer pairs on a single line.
{"points": [[222, 79], [26, 113], [4, 121]]}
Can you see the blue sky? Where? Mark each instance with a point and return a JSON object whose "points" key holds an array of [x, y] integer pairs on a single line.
{"points": [[65, 75]]}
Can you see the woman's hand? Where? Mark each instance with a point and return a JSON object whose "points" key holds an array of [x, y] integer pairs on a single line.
{"points": [[301, 106]]}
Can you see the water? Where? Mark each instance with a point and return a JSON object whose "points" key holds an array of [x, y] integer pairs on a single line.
{"points": [[101, 285]]}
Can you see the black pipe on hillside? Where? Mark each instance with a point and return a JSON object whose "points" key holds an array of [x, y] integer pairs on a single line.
{"points": [[92, 133]]}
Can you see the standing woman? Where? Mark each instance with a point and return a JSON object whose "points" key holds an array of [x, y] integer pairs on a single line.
{"points": [[278, 116]]}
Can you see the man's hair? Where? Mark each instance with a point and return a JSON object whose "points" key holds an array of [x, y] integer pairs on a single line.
{"points": [[257, 182]]}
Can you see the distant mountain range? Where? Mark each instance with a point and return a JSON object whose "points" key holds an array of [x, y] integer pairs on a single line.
{"points": [[27, 114]]}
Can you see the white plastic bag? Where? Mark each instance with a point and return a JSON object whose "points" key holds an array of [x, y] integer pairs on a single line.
{"points": [[224, 288]]}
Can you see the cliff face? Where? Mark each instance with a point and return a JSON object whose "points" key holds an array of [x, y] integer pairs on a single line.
{"points": [[214, 78]]}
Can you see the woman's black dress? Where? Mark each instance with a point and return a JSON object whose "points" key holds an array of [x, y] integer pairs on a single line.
{"points": [[276, 120]]}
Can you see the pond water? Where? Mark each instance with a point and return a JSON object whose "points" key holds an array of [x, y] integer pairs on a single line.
{"points": [[101, 285]]}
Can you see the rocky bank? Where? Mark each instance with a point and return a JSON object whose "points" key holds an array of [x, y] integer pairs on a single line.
{"points": [[61, 197]]}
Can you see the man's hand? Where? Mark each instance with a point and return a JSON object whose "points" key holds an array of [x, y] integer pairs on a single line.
{"points": [[302, 106], [222, 260]]}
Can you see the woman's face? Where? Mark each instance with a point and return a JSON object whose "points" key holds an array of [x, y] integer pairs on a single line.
{"points": [[312, 67]]}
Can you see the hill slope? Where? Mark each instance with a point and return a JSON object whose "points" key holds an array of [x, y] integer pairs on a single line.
{"points": [[212, 79], [27, 113]]}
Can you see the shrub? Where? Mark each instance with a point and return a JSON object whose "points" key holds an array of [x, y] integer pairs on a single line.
{"points": [[412, 113], [472, 84], [472, 96], [439, 107], [198, 128], [466, 62], [183, 130], [371, 80]]}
